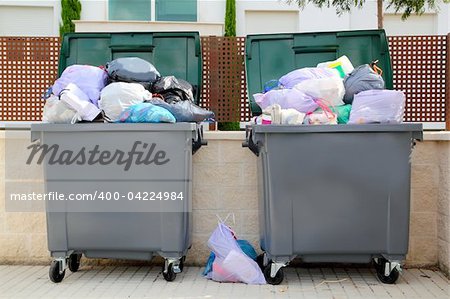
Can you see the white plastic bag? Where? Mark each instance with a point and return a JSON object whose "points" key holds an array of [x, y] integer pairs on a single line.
{"points": [[378, 106], [58, 112], [321, 118], [117, 97], [286, 98], [231, 263], [284, 116], [343, 65], [76, 99], [331, 90]]}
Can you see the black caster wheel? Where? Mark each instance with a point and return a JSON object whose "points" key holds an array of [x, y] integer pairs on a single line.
{"points": [[170, 275], [54, 274], [182, 260], [74, 262], [260, 261], [273, 280], [391, 278]]}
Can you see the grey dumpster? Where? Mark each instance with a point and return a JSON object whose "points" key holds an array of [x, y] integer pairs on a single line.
{"points": [[330, 193], [133, 199]]}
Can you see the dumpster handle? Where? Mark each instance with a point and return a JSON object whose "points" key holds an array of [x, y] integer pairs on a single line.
{"points": [[255, 148], [199, 141]]}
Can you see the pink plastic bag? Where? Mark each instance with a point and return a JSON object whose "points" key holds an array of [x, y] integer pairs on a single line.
{"points": [[231, 263], [90, 79], [293, 78], [286, 98]]}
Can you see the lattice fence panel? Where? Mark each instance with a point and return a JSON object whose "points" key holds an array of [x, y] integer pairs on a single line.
{"points": [[224, 88], [28, 66], [419, 64]]}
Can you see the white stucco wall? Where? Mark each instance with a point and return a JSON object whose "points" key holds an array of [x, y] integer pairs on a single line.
{"points": [[23, 27], [309, 19]]}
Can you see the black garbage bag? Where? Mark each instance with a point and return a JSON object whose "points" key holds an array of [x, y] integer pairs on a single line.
{"points": [[360, 79], [173, 89], [132, 70], [184, 111]]}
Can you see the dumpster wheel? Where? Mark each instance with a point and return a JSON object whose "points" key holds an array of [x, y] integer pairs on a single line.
{"points": [[55, 273], [380, 267], [74, 262], [273, 280], [169, 275]]}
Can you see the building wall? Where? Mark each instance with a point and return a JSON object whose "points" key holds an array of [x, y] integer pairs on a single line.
{"points": [[309, 19], [225, 181]]}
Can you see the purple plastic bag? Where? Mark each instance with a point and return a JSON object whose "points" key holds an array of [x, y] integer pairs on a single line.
{"points": [[286, 98], [90, 79], [378, 106], [231, 263], [293, 78]]}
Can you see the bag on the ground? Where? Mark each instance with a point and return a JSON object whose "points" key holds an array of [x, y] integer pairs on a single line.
{"points": [[79, 101], [118, 96], [184, 111], [146, 113], [286, 98], [58, 112], [378, 106], [343, 65], [293, 78], [246, 247], [173, 89], [362, 78], [231, 264], [132, 70], [90, 79], [330, 90]]}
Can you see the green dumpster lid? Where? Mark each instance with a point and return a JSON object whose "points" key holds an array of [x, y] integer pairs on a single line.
{"points": [[172, 53], [270, 56]]}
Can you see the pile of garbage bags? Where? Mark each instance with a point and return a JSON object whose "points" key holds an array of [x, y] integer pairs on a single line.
{"points": [[334, 92], [126, 90]]}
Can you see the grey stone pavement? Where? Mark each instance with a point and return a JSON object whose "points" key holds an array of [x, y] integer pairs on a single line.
{"points": [[147, 282]]}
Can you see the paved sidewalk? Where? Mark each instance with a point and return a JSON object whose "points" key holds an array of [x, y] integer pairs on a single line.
{"points": [[146, 282]]}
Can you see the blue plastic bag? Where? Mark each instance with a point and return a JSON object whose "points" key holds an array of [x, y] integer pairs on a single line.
{"points": [[146, 113]]}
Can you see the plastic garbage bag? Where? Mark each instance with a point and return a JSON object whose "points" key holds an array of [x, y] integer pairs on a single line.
{"points": [[343, 65], [58, 112], [184, 111], [146, 113], [90, 79], [118, 96], [284, 116], [330, 90], [132, 70], [293, 78], [286, 98], [362, 78], [321, 118], [378, 106], [231, 263], [76, 99], [246, 247], [173, 89], [342, 112]]}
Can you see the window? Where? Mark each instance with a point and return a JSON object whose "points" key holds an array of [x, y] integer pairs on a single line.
{"points": [[165, 10], [130, 10], [176, 10]]}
